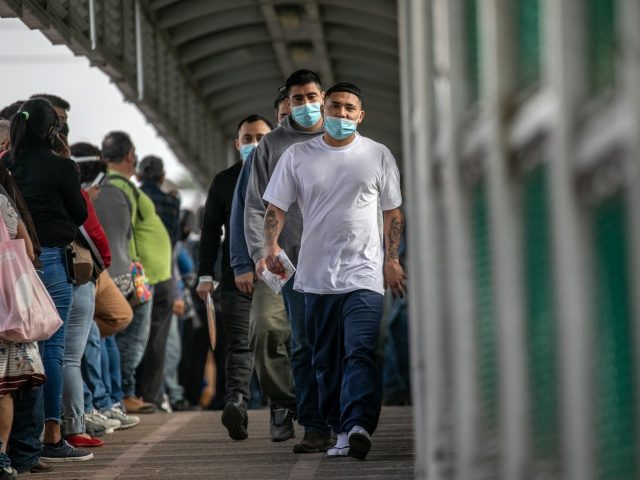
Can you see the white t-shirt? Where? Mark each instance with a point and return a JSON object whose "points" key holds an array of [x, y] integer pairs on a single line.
{"points": [[340, 192]]}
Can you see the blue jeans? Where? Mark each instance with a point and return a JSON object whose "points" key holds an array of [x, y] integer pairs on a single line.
{"points": [[306, 385], [111, 376], [75, 340], [56, 281], [132, 342], [396, 375], [172, 354], [24, 446], [95, 392], [343, 330]]}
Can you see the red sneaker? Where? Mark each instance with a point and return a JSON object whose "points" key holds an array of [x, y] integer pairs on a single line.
{"points": [[79, 441]]}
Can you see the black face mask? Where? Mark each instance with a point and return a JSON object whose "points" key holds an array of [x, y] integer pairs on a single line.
{"points": [[53, 135], [64, 130]]}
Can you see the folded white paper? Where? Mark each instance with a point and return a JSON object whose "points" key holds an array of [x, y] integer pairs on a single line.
{"points": [[276, 282]]}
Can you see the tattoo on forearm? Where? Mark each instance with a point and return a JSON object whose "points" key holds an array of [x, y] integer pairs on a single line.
{"points": [[395, 234], [270, 225]]}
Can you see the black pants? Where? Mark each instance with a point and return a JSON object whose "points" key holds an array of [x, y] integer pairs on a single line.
{"points": [[151, 369], [24, 446], [236, 307]]}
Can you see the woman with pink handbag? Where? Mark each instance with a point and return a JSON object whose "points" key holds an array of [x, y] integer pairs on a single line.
{"points": [[20, 363]]}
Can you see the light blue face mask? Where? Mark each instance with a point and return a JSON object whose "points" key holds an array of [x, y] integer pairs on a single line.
{"points": [[245, 150], [306, 115], [339, 128]]}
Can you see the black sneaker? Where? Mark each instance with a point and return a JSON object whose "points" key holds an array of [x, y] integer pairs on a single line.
{"points": [[359, 443], [313, 442], [184, 406], [63, 452], [281, 427], [235, 419]]}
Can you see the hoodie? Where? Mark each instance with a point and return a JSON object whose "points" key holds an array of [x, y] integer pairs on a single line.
{"points": [[265, 158]]}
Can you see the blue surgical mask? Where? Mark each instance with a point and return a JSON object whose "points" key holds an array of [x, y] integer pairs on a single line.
{"points": [[245, 150], [306, 115], [339, 128]]}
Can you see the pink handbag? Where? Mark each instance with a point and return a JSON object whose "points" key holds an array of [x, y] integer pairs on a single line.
{"points": [[27, 313]]}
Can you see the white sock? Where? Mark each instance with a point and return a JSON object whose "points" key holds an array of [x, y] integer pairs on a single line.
{"points": [[343, 440]]}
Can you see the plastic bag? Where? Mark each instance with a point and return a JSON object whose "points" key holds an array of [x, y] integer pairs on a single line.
{"points": [[27, 312]]}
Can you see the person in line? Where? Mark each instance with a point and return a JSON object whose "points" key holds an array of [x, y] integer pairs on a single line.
{"points": [[80, 320], [24, 448], [62, 107], [51, 189], [161, 222], [119, 152], [20, 363], [102, 409], [236, 304], [269, 329], [342, 181], [305, 95]]}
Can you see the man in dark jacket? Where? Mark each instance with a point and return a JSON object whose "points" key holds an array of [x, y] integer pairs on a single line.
{"points": [[236, 305]]}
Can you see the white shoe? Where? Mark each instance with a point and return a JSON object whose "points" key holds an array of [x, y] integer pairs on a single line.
{"points": [[165, 406], [97, 418], [116, 413]]}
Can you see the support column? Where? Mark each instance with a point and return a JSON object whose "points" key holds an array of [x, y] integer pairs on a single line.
{"points": [[505, 212], [458, 261], [565, 77], [417, 102]]}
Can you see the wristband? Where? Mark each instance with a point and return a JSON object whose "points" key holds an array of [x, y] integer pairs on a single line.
{"points": [[205, 278]]}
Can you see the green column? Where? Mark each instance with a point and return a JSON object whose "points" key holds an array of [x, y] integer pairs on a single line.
{"points": [[484, 305], [472, 50], [601, 44], [615, 423], [539, 315], [528, 51]]}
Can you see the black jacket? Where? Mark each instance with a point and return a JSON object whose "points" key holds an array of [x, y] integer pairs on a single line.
{"points": [[217, 212], [51, 189]]}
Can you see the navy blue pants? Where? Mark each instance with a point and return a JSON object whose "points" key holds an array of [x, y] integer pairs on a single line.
{"points": [[343, 332], [306, 388]]}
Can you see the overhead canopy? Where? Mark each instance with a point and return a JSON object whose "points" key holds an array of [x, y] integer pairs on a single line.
{"points": [[196, 67]]}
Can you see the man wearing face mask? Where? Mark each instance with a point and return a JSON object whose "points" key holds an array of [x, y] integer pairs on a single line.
{"points": [[269, 329], [61, 106], [235, 304], [342, 182], [305, 122]]}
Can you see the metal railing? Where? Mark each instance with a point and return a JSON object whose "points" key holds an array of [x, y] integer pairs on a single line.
{"points": [[529, 113]]}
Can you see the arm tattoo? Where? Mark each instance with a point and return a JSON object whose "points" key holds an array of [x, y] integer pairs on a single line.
{"points": [[270, 225], [395, 234]]}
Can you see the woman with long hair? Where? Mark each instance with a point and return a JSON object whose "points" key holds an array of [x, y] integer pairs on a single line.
{"points": [[51, 189]]}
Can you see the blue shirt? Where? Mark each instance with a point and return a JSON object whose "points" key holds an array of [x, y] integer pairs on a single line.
{"points": [[241, 261]]}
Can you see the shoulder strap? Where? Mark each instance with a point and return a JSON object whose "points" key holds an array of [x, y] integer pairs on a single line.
{"points": [[134, 190]]}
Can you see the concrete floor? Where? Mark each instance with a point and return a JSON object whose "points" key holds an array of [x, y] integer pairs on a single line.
{"points": [[194, 445]]}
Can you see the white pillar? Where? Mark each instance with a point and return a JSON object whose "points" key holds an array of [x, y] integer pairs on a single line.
{"points": [[417, 101], [452, 94], [564, 50], [505, 221]]}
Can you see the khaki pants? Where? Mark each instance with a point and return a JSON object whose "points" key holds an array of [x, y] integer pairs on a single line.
{"points": [[269, 336], [113, 312]]}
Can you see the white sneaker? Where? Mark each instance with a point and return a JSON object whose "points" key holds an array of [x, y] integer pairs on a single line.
{"points": [[359, 442], [165, 406], [97, 418], [116, 413]]}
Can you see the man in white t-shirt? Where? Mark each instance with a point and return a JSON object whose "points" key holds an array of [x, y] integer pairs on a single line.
{"points": [[341, 181]]}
